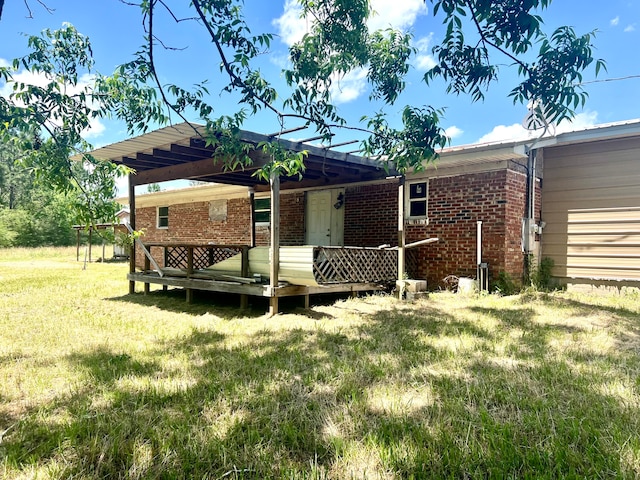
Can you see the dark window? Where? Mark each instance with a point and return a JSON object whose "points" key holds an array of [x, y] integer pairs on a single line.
{"points": [[163, 217], [263, 210], [417, 201]]}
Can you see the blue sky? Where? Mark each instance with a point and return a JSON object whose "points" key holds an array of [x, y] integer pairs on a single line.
{"points": [[115, 31]]}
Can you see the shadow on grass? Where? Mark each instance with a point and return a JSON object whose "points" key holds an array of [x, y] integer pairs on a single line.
{"points": [[622, 322], [224, 305], [174, 300], [534, 337], [364, 401]]}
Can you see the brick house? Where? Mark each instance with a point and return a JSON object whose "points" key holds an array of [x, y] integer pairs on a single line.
{"points": [[487, 183]]}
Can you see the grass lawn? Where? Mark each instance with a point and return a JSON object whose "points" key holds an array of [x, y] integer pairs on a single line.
{"points": [[96, 383]]}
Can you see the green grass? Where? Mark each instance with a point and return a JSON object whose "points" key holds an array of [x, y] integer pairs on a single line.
{"points": [[96, 383]]}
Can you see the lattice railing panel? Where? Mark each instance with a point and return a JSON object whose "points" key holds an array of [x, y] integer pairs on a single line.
{"points": [[203, 256], [354, 265], [175, 257]]}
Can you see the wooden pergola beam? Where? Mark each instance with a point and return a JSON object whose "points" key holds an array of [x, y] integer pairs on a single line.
{"points": [[152, 160], [191, 170]]}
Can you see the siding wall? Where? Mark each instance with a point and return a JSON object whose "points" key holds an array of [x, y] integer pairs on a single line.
{"points": [[591, 206]]}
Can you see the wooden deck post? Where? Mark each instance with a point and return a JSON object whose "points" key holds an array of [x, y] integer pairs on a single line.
{"points": [[132, 223], [165, 264], [244, 272], [401, 234], [274, 248], [189, 272], [147, 267], [252, 217]]}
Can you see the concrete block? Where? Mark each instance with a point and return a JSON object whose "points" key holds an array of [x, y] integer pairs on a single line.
{"points": [[412, 286]]}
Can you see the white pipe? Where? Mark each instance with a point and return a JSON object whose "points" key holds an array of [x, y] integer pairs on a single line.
{"points": [[479, 242], [479, 254]]}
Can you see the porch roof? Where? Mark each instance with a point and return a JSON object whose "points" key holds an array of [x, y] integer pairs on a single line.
{"points": [[179, 152]]}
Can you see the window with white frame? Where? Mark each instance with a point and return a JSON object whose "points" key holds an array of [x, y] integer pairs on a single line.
{"points": [[417, 201], [262, 211], [163, 217]]}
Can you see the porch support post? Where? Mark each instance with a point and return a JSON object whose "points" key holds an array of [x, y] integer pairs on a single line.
{"points": [[401, 235], [274, 247], [147, 267], [252, 217], [244, 298], [132, 222], [189, 272]]}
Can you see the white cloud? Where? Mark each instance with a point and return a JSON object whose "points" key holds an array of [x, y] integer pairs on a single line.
{"points": [[399, 14], [122, 185], [579, 122], [453, 132], [4, 63], [424, 59], [349, 87], [505, 133], [280, 60], [96, 127], [614, 21], [291, 27], [630, 28]]}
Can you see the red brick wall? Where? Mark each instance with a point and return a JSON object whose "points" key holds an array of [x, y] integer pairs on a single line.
{"points": [[291, 222], [455, 204], [370, 215], [189, 223]]}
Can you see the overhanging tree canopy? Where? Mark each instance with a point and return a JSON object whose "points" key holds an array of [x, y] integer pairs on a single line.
{"points": [[480, 35]]}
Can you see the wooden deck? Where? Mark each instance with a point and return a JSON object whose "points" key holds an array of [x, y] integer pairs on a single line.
{"points": [[337, 269]]}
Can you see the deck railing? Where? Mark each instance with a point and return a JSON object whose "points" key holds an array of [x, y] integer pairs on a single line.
{"points": [[331, 265], [354, 265], [191, 257]]}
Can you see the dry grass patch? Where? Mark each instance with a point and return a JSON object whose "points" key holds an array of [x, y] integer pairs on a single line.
{"points": [[96, 383]]}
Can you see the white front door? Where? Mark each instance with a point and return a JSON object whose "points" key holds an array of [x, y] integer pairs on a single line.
{"points": [[325, 222]]}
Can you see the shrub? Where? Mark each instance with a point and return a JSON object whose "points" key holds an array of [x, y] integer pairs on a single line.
{"points": [[540, 275], [504, 285]]}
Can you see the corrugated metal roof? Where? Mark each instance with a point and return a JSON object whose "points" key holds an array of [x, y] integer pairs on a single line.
{"points": [[145, 143], [180, 152], [503, 150]]}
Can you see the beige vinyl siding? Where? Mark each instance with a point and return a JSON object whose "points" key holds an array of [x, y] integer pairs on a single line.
{"points": [[591, 206]]}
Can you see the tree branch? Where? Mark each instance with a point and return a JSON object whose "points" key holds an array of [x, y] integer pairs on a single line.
{"points": [[235, 79], [26, 4], [155, 73], [484, 39], [177, 20]]}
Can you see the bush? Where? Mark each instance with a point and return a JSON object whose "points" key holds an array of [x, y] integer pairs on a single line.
{"points": [[504, 285], [540, 276], [21, 228]]}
